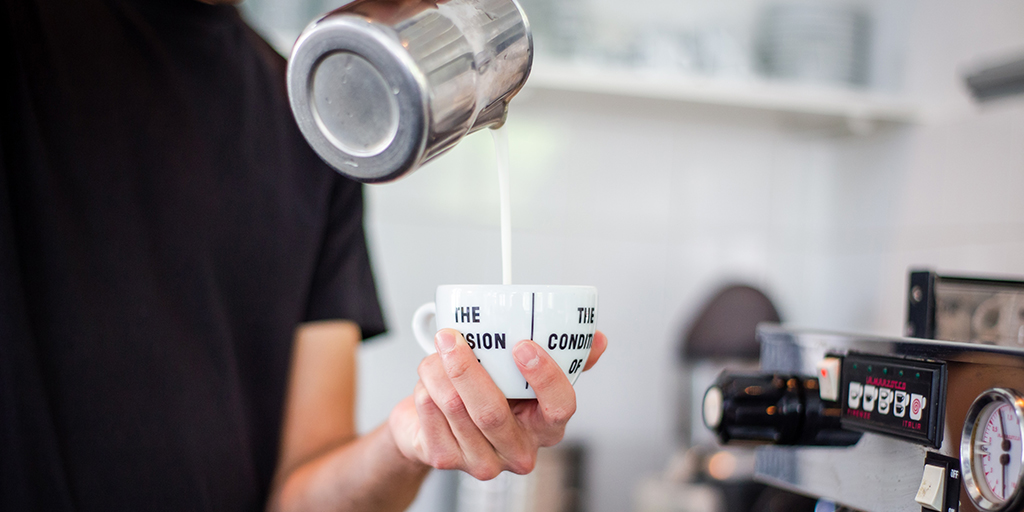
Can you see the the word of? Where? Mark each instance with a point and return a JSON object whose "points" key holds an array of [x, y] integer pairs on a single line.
{"points": [[575, 366]]}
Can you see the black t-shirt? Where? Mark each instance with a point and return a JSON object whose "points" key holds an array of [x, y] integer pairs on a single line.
{"points": [[163, 230]]}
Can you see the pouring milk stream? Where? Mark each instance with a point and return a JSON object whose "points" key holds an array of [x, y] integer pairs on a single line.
{"points": [[426, 97]]}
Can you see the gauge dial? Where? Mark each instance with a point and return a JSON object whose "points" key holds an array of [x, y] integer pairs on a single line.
{"points": [[991, 452], [998, 450]]}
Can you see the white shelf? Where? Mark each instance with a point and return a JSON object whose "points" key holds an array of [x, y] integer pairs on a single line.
{"points": [[859, 110]]}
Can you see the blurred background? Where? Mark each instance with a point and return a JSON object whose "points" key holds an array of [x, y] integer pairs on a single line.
{"points": [[662, 150]]}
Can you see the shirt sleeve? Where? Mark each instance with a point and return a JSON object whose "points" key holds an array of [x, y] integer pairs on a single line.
{"points": [[343, 286]]}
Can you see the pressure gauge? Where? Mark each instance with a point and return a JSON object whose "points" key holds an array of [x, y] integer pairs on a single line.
{"points": [[991, 453]]}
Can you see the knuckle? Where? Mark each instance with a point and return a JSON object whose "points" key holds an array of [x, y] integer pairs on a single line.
{"points": [[550, 375], [559, 415], [522, 464], [485, 471], [444, 459], [551, 378], [492, 418], [457, 367], [453, 404], [428, 366], [422, 397], [553, 437]]}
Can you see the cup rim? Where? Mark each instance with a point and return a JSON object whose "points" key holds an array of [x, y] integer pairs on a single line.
{"points": [[522, 287]]}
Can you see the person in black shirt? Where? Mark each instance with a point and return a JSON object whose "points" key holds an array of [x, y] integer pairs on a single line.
{"points": [[184, 284]]}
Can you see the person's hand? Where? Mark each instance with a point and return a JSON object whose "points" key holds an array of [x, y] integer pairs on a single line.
{"points": [[457, 418]]}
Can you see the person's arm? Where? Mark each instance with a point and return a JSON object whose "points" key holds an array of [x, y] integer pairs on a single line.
{"points": [[323, 465], [455, 419]]}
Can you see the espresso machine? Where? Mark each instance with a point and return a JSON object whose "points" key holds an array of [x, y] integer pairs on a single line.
{"points": [[930, 421]]}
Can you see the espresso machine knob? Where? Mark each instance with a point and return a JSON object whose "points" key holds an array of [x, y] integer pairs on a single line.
{"points": [[773, 409]]}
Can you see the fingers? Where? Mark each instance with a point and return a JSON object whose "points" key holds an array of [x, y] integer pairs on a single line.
{"points": [[484, 402], [596, 349], [422, 433], [405, 429], [460, 419], [436, 444], [556, 400], [478, 456]]}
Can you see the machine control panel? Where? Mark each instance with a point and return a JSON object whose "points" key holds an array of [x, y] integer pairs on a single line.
{"points": [[894, 396]]}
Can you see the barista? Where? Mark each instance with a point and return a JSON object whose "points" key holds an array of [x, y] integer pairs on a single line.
{"points": [[183, 287]]}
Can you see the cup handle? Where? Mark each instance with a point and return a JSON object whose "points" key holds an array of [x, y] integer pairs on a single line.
{"points": [[421, 326]]}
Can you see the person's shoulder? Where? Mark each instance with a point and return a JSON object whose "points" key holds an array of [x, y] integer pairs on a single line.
{"points": [[264, 50]]}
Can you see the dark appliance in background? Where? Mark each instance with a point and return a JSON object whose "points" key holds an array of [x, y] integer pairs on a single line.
{"points": [[969, 309], [892, 424], [721, 335]]}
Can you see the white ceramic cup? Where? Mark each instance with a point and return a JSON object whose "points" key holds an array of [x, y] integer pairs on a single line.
{"points": [[494, 317]]}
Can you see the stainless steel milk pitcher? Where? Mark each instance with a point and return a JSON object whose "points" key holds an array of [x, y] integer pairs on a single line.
{"points": [[380, 87]]}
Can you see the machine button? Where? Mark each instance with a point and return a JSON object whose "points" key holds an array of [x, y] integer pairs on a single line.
{"points": [[856, 390], [828, 378], [917, 405], [884, 400], [933, 487], [870, 394], [899, 407]]}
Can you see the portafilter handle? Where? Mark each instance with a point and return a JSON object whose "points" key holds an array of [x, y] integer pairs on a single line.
{"points": [[773, 409], [380, 87]]}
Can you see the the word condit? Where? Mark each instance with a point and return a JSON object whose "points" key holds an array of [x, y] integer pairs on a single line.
{"points": [[569, 341]]}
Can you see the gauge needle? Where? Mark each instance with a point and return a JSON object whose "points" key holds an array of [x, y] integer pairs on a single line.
{"points": [[1004, 459], [1005, 466]]}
